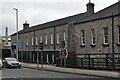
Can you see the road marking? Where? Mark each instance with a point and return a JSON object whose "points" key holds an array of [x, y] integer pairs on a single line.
{"points": [[28, 69], [3, 77], [7, 77]]}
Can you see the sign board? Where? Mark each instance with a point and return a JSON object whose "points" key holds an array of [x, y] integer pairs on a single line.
{"points": [[63, 53], [62, 44], [21, 44]]}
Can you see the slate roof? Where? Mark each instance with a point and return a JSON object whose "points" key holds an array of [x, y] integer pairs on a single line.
{"points": [[108, 11], [55, 23], [77, 18]]}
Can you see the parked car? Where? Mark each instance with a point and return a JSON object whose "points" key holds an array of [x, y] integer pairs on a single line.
{"points": [[1, 64], [11, 63]]}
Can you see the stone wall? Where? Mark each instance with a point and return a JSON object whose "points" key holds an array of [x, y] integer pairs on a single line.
{"points": [[98, 25]]}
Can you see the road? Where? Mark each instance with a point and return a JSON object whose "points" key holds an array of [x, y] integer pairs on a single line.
{"points": [[33, 74]]}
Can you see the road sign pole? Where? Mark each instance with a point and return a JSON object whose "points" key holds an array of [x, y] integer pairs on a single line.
{"points": [[41, 58], [64, 62], [41, 47], [37, 59], [61, 61], [22, 52]]}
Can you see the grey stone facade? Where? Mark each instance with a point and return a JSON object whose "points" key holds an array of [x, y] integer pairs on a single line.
{"points": [[98, 25], [72, 27]]}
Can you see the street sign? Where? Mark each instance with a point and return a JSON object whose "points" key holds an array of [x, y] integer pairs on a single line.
{"points": [[21, 44], [63, 53], [62, 44]]}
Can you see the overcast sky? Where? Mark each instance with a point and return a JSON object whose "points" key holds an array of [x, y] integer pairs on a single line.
{"points": [[41, 11]]}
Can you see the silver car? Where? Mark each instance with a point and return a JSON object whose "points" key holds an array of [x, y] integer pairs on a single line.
{"points": [[1, 64], [11, 62]]}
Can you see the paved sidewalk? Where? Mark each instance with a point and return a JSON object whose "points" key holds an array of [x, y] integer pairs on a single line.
{"points": [[111, 74]]}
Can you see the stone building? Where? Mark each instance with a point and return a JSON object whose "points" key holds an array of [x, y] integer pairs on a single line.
{"points": [[1, 42], [5, 41], [99, 33], [94, 34], [83, 33]]}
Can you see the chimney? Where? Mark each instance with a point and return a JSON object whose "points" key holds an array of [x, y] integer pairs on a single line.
{"points": [[6, 36], [25, 25], [6, 32], [90, 8]]}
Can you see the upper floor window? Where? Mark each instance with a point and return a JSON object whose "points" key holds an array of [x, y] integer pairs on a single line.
{"points": [[93, 36], [64, 35], [32, 41], [41, 39], [46, 39], [36, 39], [105, 37], [51, 38], [27, 41], [82, 37], [57, 38]]}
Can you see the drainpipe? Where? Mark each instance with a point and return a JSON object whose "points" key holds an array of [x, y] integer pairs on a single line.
{"points": [[33, 45], [54, 44], [113, 53]]}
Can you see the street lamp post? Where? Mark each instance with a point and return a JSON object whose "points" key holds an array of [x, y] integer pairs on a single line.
{"points": [[17, 32]]}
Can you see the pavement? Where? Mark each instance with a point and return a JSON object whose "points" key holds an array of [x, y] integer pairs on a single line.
{"points": [[100, 73]]}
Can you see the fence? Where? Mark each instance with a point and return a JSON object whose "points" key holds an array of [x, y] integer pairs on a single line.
{"points": [[98, 61]]}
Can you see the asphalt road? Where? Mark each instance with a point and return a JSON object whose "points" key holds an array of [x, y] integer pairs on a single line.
{"points": [[33, 74]]}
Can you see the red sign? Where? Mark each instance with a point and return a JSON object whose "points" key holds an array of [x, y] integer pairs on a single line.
{"points": [[62, 53]]}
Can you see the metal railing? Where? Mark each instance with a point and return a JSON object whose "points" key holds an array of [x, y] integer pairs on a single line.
{"points": [[98, 61]]}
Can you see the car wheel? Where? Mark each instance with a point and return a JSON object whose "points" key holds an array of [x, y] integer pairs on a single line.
{"points": [[4, 66], [19, 66], [0, 68]]}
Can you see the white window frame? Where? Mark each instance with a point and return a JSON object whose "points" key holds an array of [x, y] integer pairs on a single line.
{"points": [[105, 37], [83, 37], [46, 39], [32, 41], [93, 36], [51, 38], [47, 58], [27, 41], [64, 35], [58, 38], [36, 40], [53, 60], [41, 39]]}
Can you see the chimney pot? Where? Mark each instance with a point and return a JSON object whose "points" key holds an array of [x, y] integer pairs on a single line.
{"points": [[25, 25], [90, 8]]}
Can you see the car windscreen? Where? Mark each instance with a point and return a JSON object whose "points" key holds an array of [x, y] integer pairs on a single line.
{"points": [[11, 59]]}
